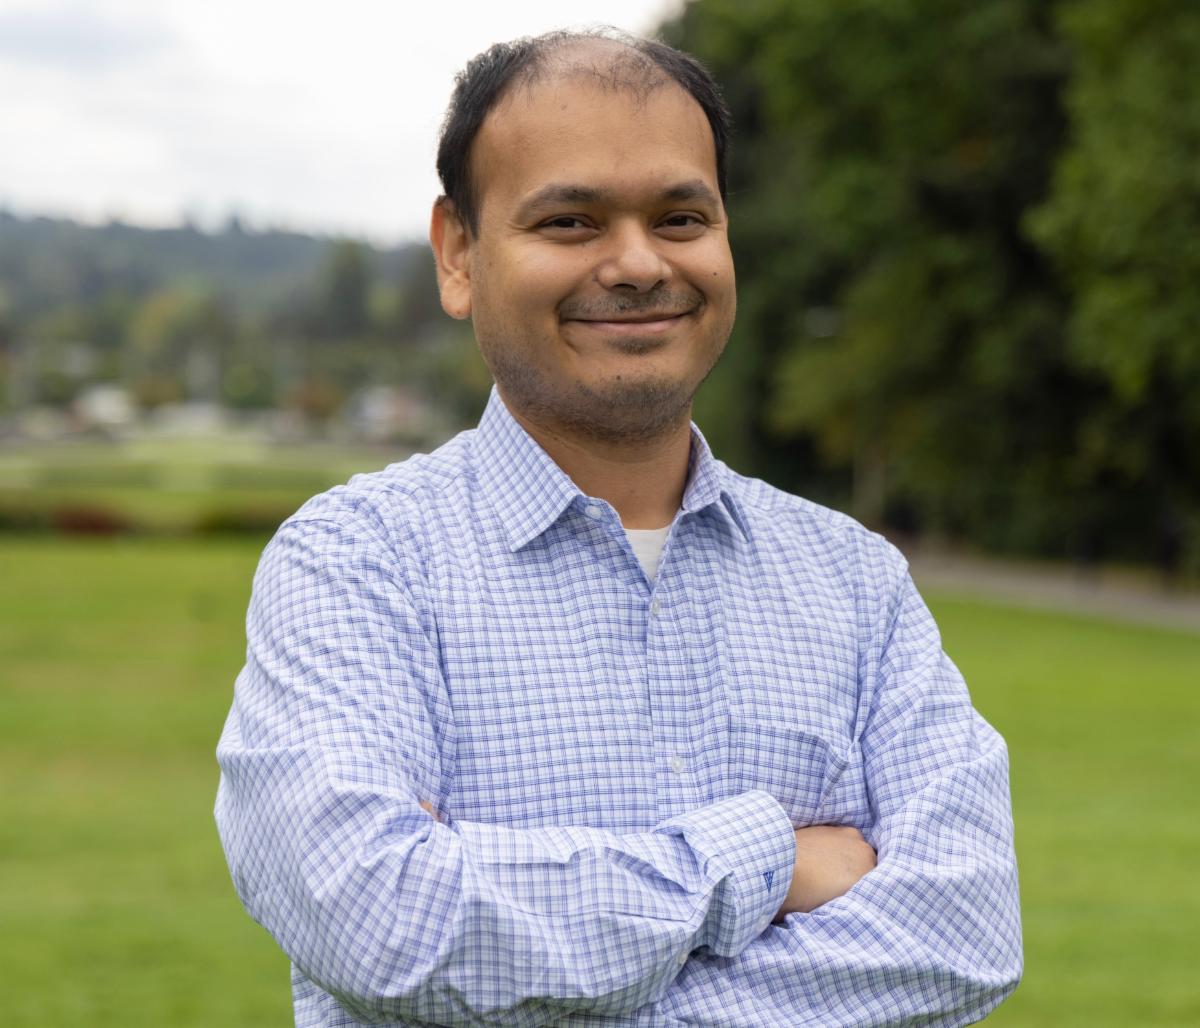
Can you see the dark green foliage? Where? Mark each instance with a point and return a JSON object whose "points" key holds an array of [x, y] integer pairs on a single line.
{"points": [[1124, 227], [345, 291], [900, 323], [931, 320], [46, 263]]}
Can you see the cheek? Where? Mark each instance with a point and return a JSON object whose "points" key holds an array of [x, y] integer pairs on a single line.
{"points": [[712, 270], [526, 285], [722, 291]]}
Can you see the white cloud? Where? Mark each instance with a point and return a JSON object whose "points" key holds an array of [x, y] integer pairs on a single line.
{"points": [[76, 38]]}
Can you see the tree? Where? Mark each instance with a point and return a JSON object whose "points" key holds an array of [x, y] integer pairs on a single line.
{"points": [[345, 291], [180, 341], [1122, 225], [894, 317]]}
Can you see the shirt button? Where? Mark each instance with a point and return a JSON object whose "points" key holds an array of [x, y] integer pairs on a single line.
{"points": [[594, 510], [677, 765], [683, 958], [655, 607]]}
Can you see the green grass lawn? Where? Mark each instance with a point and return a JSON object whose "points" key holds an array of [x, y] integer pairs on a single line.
{"points": [[116, 908]]}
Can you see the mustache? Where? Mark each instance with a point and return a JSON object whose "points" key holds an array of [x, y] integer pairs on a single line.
{"points": [[663, 302]]}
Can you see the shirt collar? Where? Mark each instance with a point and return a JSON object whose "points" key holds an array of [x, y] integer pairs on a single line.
{"points": [[710, 485], [530, 492]]}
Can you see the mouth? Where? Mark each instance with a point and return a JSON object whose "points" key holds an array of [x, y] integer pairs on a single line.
{"points": [[634, 324]]}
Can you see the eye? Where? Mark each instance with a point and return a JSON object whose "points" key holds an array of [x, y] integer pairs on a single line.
{"points": [[565, 223], [682, 225]]}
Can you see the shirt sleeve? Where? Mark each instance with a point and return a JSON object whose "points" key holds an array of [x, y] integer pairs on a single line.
{"points": [[932, 935], [338, 730]]}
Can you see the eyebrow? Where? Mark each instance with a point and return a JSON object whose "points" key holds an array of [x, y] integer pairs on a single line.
{"points": [[693, 190], [556, 194]]}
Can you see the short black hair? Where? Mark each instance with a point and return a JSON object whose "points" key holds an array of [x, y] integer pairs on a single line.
{"points": [[490, 74]]}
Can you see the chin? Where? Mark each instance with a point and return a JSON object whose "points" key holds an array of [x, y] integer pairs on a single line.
{"points": [[628, 410], [605, 405]]}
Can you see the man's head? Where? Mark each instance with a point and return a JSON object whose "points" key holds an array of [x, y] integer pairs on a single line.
{"points": [[583, 229]]}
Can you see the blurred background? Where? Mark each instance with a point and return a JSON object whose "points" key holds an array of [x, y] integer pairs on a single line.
{"points": [[968, 246]]}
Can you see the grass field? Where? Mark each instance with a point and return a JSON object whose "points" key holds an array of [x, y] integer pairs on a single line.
{"points": [[116, 908]]}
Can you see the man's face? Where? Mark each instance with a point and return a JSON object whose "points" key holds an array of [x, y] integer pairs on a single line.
{"points": [[601, 284]]}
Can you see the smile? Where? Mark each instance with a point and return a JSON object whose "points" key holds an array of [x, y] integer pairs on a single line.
{"points": [[644, 324]]}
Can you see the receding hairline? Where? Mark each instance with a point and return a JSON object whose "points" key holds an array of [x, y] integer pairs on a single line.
{"points": [[609, 60]]}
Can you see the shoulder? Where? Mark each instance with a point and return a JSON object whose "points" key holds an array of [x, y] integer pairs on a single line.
{"points": [[382, 516], [790, 529]]}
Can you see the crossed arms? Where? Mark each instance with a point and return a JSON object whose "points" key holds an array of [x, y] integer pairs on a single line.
{"points": [[726, 908], [829, 860]]}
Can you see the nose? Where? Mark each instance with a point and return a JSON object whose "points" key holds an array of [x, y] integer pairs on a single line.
{"points": [[633, 262]]}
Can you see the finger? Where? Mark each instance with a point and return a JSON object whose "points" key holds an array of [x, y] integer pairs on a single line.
{"points": [[428, 808]]}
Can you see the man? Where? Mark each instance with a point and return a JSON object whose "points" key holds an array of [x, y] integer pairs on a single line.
{"points": [[567, 723]]}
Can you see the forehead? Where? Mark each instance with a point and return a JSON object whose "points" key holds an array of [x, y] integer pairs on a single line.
{"points": [[573, 129]]}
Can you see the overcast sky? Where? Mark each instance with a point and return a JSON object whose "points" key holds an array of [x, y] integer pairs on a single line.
{"points": [[321, 117]]}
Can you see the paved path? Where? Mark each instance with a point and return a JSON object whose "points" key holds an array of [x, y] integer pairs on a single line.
{"points": [[1101, 592]]}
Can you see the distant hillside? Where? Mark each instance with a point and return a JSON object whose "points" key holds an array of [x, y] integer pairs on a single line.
{"points": [[46, 263]]}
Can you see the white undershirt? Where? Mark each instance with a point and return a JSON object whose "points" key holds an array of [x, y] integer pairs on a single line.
{"points": [[647, 546]]}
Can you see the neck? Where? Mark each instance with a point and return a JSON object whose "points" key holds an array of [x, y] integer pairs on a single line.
{"points": [[644, 480]]}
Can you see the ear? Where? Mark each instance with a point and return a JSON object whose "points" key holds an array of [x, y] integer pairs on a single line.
{"points": [[451, 242]]}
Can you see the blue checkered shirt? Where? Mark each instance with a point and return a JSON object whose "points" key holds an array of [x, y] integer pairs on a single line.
{"points": [[617, 765]]}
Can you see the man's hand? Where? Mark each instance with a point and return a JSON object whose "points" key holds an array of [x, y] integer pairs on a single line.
{"points": [[428, 808], [829, 860]]}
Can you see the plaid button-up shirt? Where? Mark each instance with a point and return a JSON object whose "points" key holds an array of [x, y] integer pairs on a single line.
{"points": [[617, 765]]}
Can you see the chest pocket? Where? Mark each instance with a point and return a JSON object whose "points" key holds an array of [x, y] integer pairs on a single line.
{"points": [[816, 777]]}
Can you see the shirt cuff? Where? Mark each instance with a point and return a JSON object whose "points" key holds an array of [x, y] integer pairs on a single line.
{"points": [[749, 846]]}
